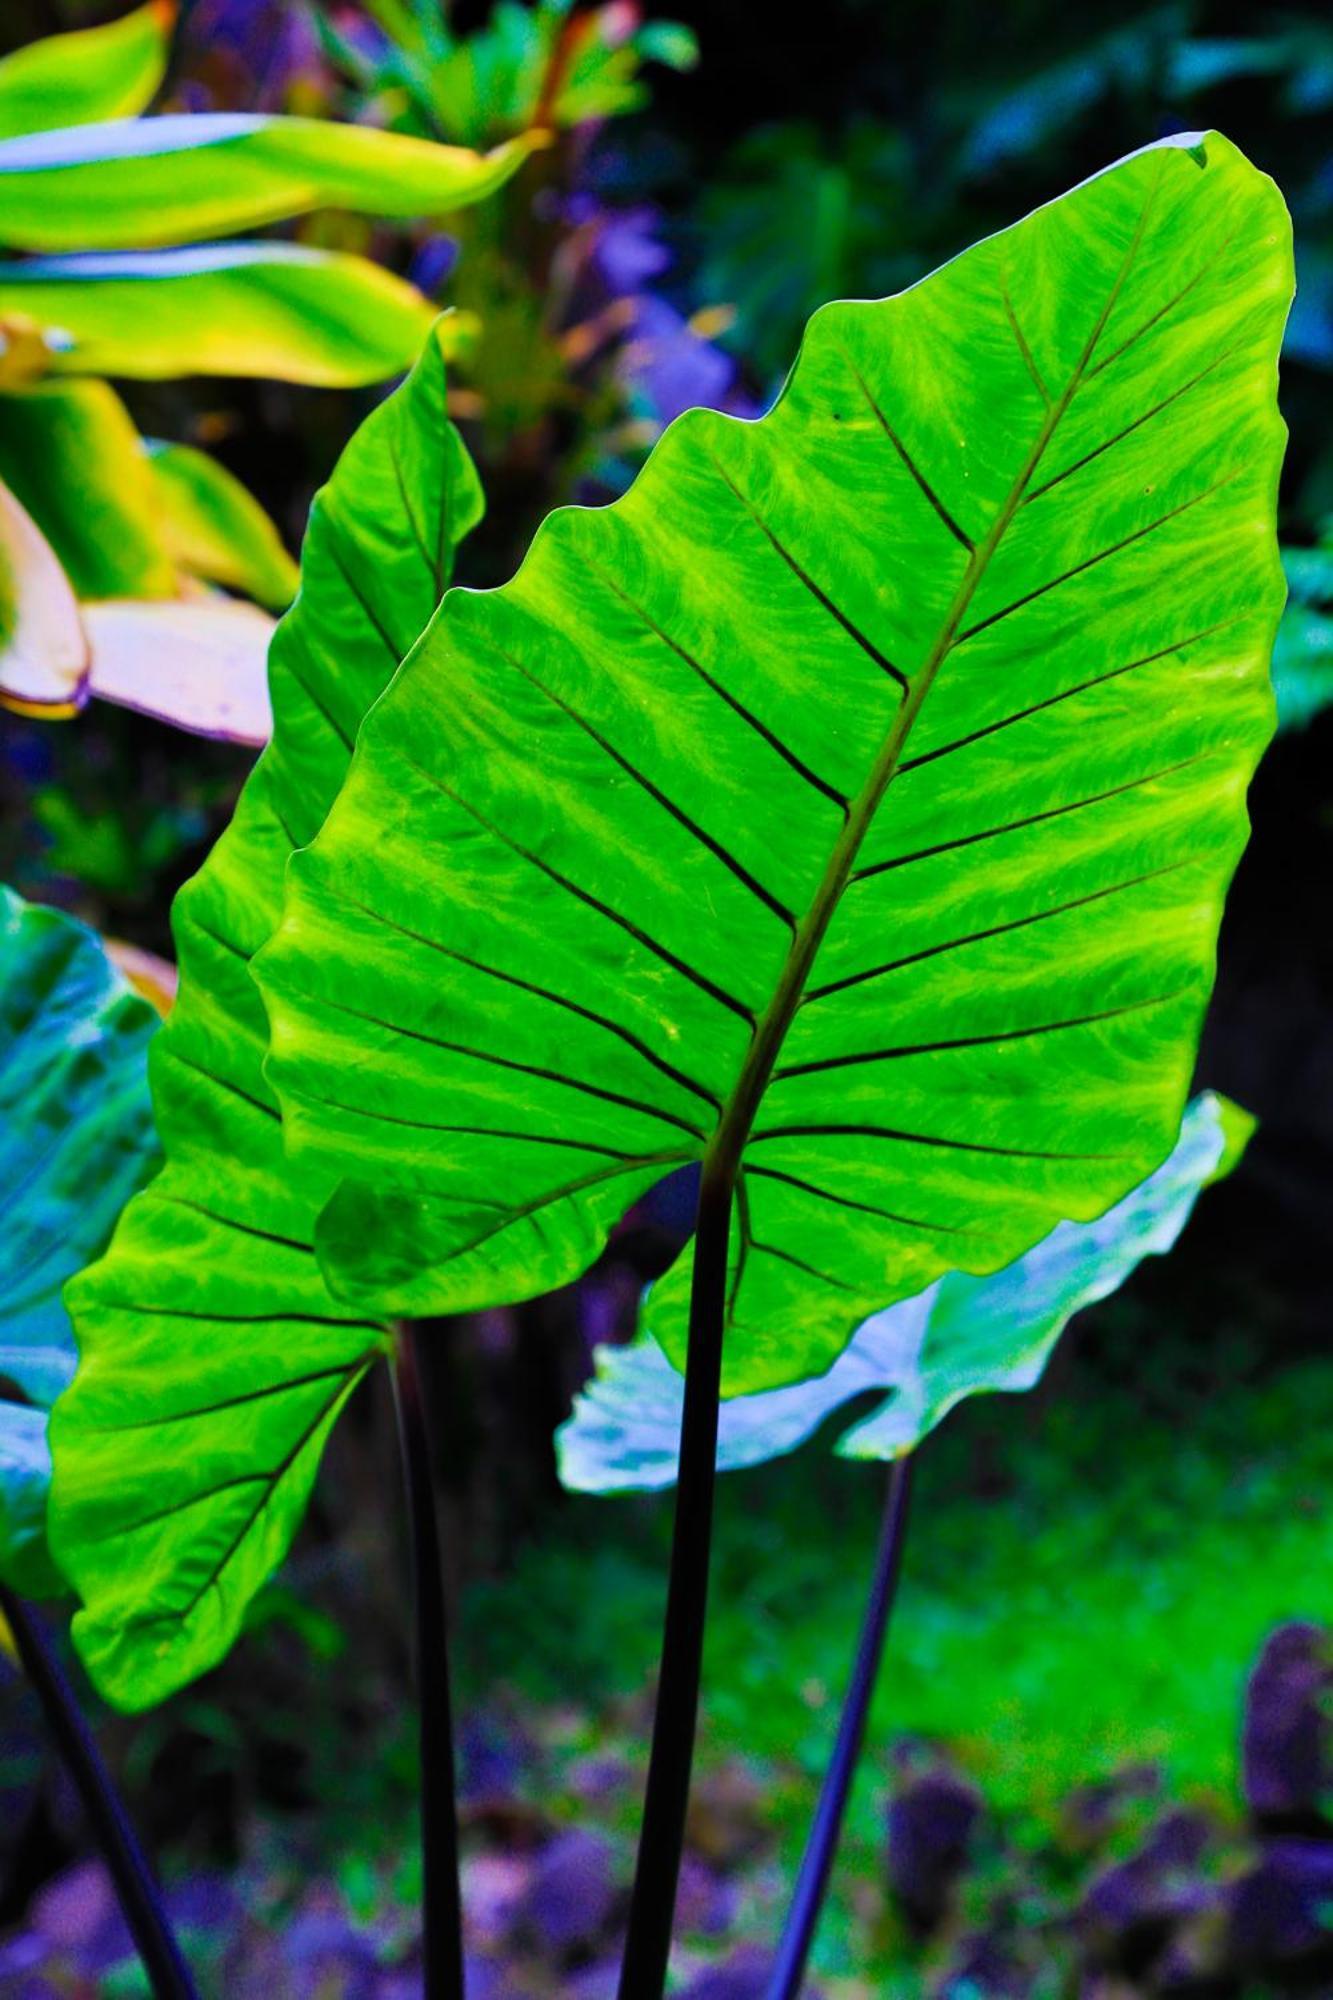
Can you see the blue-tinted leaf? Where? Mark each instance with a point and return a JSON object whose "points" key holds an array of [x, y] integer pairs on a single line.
{"points": [[25, 1476], [76, 1141]]}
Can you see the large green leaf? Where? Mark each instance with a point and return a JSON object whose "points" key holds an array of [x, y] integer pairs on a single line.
{"points": [[71, 453], [76, 1141], [139, 183], [267, 309], [853, 802], [214, 1360], [107, 72], [960, 1337]]}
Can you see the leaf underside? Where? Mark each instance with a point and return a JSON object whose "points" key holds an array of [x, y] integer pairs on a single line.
{"points": [[213, 1358], [856, 798], [960, 1337]]}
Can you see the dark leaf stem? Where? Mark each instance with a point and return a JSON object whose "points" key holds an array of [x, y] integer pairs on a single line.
{"points": [[798, 1935], [653, 1903], [442, 1916], [140, 1897]]}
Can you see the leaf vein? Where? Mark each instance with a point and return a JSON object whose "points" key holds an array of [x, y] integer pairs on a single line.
{"points": [[1091, 562], [822, 1064], [724, 694], [715, 847], [585, 896], [1031, 819], [991, 931], [821, 597]]}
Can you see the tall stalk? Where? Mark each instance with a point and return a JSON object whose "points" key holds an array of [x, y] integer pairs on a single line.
{"points": [[657, 1871], [140, 1897], [442, 1914], [798, 1935]]}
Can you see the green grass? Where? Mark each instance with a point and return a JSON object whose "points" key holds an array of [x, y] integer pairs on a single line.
{"points": [[1090, 1573], [1085, 1583]]}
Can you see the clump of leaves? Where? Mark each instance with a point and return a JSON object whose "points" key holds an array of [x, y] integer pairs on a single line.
{"points": [[574, 334], [111, 544]]}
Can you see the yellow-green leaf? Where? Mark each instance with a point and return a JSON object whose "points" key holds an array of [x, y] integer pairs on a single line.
{"points": [[216, 529], [111, 71], [267, 309], [71, 453], [141, 183]]}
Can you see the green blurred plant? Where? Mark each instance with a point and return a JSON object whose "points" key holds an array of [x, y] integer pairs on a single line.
{"points": [[549, 66], [1303, 655]]}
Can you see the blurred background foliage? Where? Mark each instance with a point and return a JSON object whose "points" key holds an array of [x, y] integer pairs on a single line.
{"points": [[1094, 1569]]}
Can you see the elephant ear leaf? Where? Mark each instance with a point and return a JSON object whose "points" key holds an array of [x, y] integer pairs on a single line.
{"points": [[76, 1141], [851, 805], [208, 1338], [961, 1336]]}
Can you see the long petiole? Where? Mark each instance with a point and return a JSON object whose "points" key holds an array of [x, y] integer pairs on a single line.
{"points": [[442, 1914], [653, 1903], [798, 1934], [140, 1897]]}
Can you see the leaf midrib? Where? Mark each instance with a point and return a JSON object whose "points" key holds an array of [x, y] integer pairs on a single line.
{"points": [[723, 1156]]}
